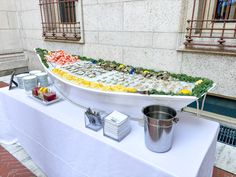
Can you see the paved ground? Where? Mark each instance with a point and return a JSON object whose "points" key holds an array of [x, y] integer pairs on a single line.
{"points": [[19, 153], [11, 167], [225, 156]]}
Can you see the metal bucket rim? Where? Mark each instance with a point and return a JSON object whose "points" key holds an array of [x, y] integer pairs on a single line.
{"points": [[158, 120]]}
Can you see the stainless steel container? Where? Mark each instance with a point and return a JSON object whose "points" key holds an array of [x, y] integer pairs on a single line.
{"points": [[159, 127]]}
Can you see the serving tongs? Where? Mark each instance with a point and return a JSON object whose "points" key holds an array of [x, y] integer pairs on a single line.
{"points": [[93, 116]]}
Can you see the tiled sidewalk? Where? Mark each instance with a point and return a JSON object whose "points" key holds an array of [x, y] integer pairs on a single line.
{"points": [[11, 167], [226, 157], [19, 153], [221, 173]]}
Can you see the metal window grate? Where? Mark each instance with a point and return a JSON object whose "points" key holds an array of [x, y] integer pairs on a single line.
{"points": [[227, 135], [59, 20], [213, 23]]}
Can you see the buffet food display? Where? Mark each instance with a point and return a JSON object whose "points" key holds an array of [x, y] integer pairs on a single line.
{"points": [[116, 86], [113, 76]]}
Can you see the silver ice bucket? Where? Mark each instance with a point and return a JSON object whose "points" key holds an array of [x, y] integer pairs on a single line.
{"points": [[159, 127]]}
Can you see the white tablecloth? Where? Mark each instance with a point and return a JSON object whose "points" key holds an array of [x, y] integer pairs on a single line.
{"points": [[6, 130], [56, 139]]}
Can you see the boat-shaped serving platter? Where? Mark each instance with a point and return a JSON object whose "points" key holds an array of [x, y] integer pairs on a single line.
{"points": [[91, 83]]}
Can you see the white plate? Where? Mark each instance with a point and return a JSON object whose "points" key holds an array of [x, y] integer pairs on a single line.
{"points": [[45, 102]]}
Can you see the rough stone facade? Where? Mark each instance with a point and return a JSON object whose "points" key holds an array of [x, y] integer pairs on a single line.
{"points": [[139, 32], [9, 29], [11, 48]]}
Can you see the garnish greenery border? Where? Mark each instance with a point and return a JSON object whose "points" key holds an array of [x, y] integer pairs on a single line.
{"points": [[197, 91], [42, 53]]}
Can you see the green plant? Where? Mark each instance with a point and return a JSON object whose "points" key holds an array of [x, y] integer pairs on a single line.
{"points": [[42, 53]]}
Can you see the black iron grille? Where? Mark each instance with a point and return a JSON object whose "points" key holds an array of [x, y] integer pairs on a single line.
{"points": [[227, 136], [59, 20], [212, 24]]}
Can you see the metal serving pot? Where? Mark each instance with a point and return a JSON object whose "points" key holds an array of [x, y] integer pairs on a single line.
{"points": [[159, 127]]}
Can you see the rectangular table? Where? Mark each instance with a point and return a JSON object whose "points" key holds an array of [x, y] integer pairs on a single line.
{"points": [[58, 142]]}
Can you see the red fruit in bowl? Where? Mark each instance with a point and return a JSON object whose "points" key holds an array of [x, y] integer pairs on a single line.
{"points": [[49, 96], [35, 91]]}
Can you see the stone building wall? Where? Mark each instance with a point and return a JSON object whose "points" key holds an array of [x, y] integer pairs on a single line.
{"points": [[218, 66], [11, 49], [138, 32], [9, 33]]}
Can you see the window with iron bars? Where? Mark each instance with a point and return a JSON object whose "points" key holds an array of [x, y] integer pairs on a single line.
{"points": [[213, 24], [61, 20]]}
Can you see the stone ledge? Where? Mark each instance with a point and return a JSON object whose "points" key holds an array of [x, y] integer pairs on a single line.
{"points": [[11, 56], [13, 62], [17, 71], [207, 51]]}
